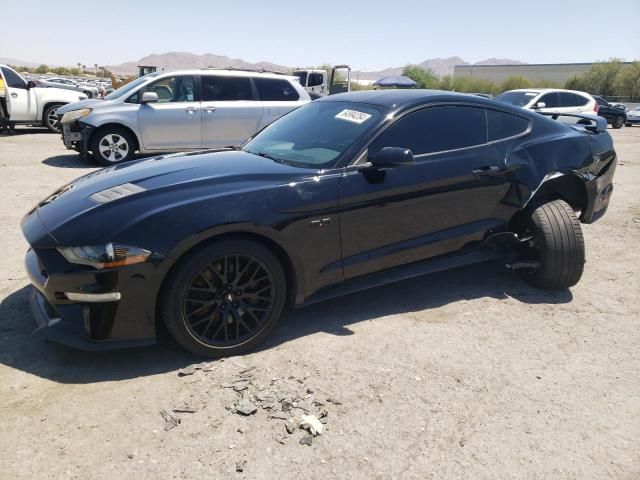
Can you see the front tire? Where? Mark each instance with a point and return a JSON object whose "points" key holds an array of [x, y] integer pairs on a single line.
{"points": [[224, 298], [112, 145], [50, 117], [558, 247]]}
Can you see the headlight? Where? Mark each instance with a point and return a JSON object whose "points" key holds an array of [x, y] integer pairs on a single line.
{"points": [[75, 115], [105, 256]]}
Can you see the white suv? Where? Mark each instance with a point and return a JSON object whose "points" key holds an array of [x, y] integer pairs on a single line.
{"points": [[550, 100], [178, 111], [32, 105]]}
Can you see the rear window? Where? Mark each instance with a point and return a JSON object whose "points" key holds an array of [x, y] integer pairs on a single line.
{"points": [[275, 89], [504, 125], [221, 88]]}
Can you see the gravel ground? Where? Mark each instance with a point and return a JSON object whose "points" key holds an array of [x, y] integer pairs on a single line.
{"points": [[464, 374]]}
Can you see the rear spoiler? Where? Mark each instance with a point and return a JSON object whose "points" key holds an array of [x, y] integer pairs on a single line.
{"points": [[593, 123]]}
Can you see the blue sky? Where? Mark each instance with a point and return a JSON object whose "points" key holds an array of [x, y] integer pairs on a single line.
{"points": [[366, 34]]}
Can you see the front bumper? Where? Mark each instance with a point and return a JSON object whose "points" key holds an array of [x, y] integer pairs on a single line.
{"points": [[75, 136], [89, 325], [599, 190]]}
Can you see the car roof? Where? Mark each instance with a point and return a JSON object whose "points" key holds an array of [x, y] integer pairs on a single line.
{"points": [[232, 73], [547, 90], [406, 98]]}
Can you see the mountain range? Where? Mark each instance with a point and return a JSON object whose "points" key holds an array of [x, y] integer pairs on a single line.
{"points": [[184, 60]]}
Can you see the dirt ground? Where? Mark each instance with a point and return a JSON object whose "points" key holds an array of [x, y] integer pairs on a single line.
{"points": [[464, 374]]}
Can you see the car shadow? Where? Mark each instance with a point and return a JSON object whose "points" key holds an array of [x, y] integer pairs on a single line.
{"points": [[72, 160], [20, 350]]}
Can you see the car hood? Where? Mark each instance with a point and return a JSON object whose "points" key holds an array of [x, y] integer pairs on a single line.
{"points": [[89, 103], [86, 211]]}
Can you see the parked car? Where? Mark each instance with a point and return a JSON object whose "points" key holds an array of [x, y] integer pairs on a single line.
{"points": [[616, 116], [633, 117], [32, 105], [178, 111], [550, 100], [347, 192], [89, 91]]}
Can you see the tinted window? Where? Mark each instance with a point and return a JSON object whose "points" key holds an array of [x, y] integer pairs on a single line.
{"points": [[13, 79], [435, 129], [572, 100], [275, 89], [315, 79], [302, 76], [551, 100], [504, 125], [601, 101], [218, 88]]}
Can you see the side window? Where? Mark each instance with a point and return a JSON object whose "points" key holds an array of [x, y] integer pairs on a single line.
{"points": [[173, 89], [601, 101], [13, 79], [219, 88], [551, 100], [504, 125], [315, 79], [275, 89], [435, 129]]}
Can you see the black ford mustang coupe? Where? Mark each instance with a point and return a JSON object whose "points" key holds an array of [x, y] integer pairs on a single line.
{"points": [[345, 193]]}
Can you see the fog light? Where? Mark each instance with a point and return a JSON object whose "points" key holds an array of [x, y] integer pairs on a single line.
{"points": [[93, 297]]}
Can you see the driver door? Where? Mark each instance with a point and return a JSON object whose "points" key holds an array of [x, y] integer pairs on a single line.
{"points": [[446, 200], [21, 101], [174, 122]]}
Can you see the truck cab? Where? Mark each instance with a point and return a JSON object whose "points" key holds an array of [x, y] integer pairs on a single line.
{"points": [[317, 83], [32, 105]]}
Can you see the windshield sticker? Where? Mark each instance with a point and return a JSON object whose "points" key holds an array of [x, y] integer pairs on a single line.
{"points": [[353, 116]]}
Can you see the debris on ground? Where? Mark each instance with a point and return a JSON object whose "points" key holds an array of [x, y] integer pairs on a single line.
{"points": [[312, 424], [240, 464], [334, 401], [246, 407], [170, 421], [290, 427], [307, 439]]}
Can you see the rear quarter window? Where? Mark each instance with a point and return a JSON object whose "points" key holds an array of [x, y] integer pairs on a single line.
{"points": [[503, 125], [275, 89]]}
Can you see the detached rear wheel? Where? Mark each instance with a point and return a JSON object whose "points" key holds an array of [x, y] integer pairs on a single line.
{"points": [[224, 299], [558, 247], [112, 145]]}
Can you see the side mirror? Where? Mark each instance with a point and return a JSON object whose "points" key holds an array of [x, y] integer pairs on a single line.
{"points": [[31, 84], [149, 97], [392, 157], [540, 105]]}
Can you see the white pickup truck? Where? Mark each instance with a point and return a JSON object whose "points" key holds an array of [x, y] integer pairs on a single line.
{"points": [[31, 105]]}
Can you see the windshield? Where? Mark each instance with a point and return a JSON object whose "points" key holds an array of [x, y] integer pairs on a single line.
{"points": [[519, 99], [317, 134], [123, 90]]}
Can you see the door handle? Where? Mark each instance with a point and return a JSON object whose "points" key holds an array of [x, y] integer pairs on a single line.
{"points": [[487, 170], [210, 109], [190, 109], [14, 95]]}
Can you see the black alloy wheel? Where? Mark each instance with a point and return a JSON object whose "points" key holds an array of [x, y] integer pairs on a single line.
{"points": [[224, 298], [229, 300]]}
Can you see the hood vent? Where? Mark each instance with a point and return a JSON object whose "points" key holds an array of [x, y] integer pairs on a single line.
{"points": [[116, 193]]}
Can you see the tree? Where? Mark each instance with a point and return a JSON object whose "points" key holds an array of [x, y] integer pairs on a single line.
{"points": [[96, 66], [423, 77], [42, 69], [514, 83], [627, 82]]}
